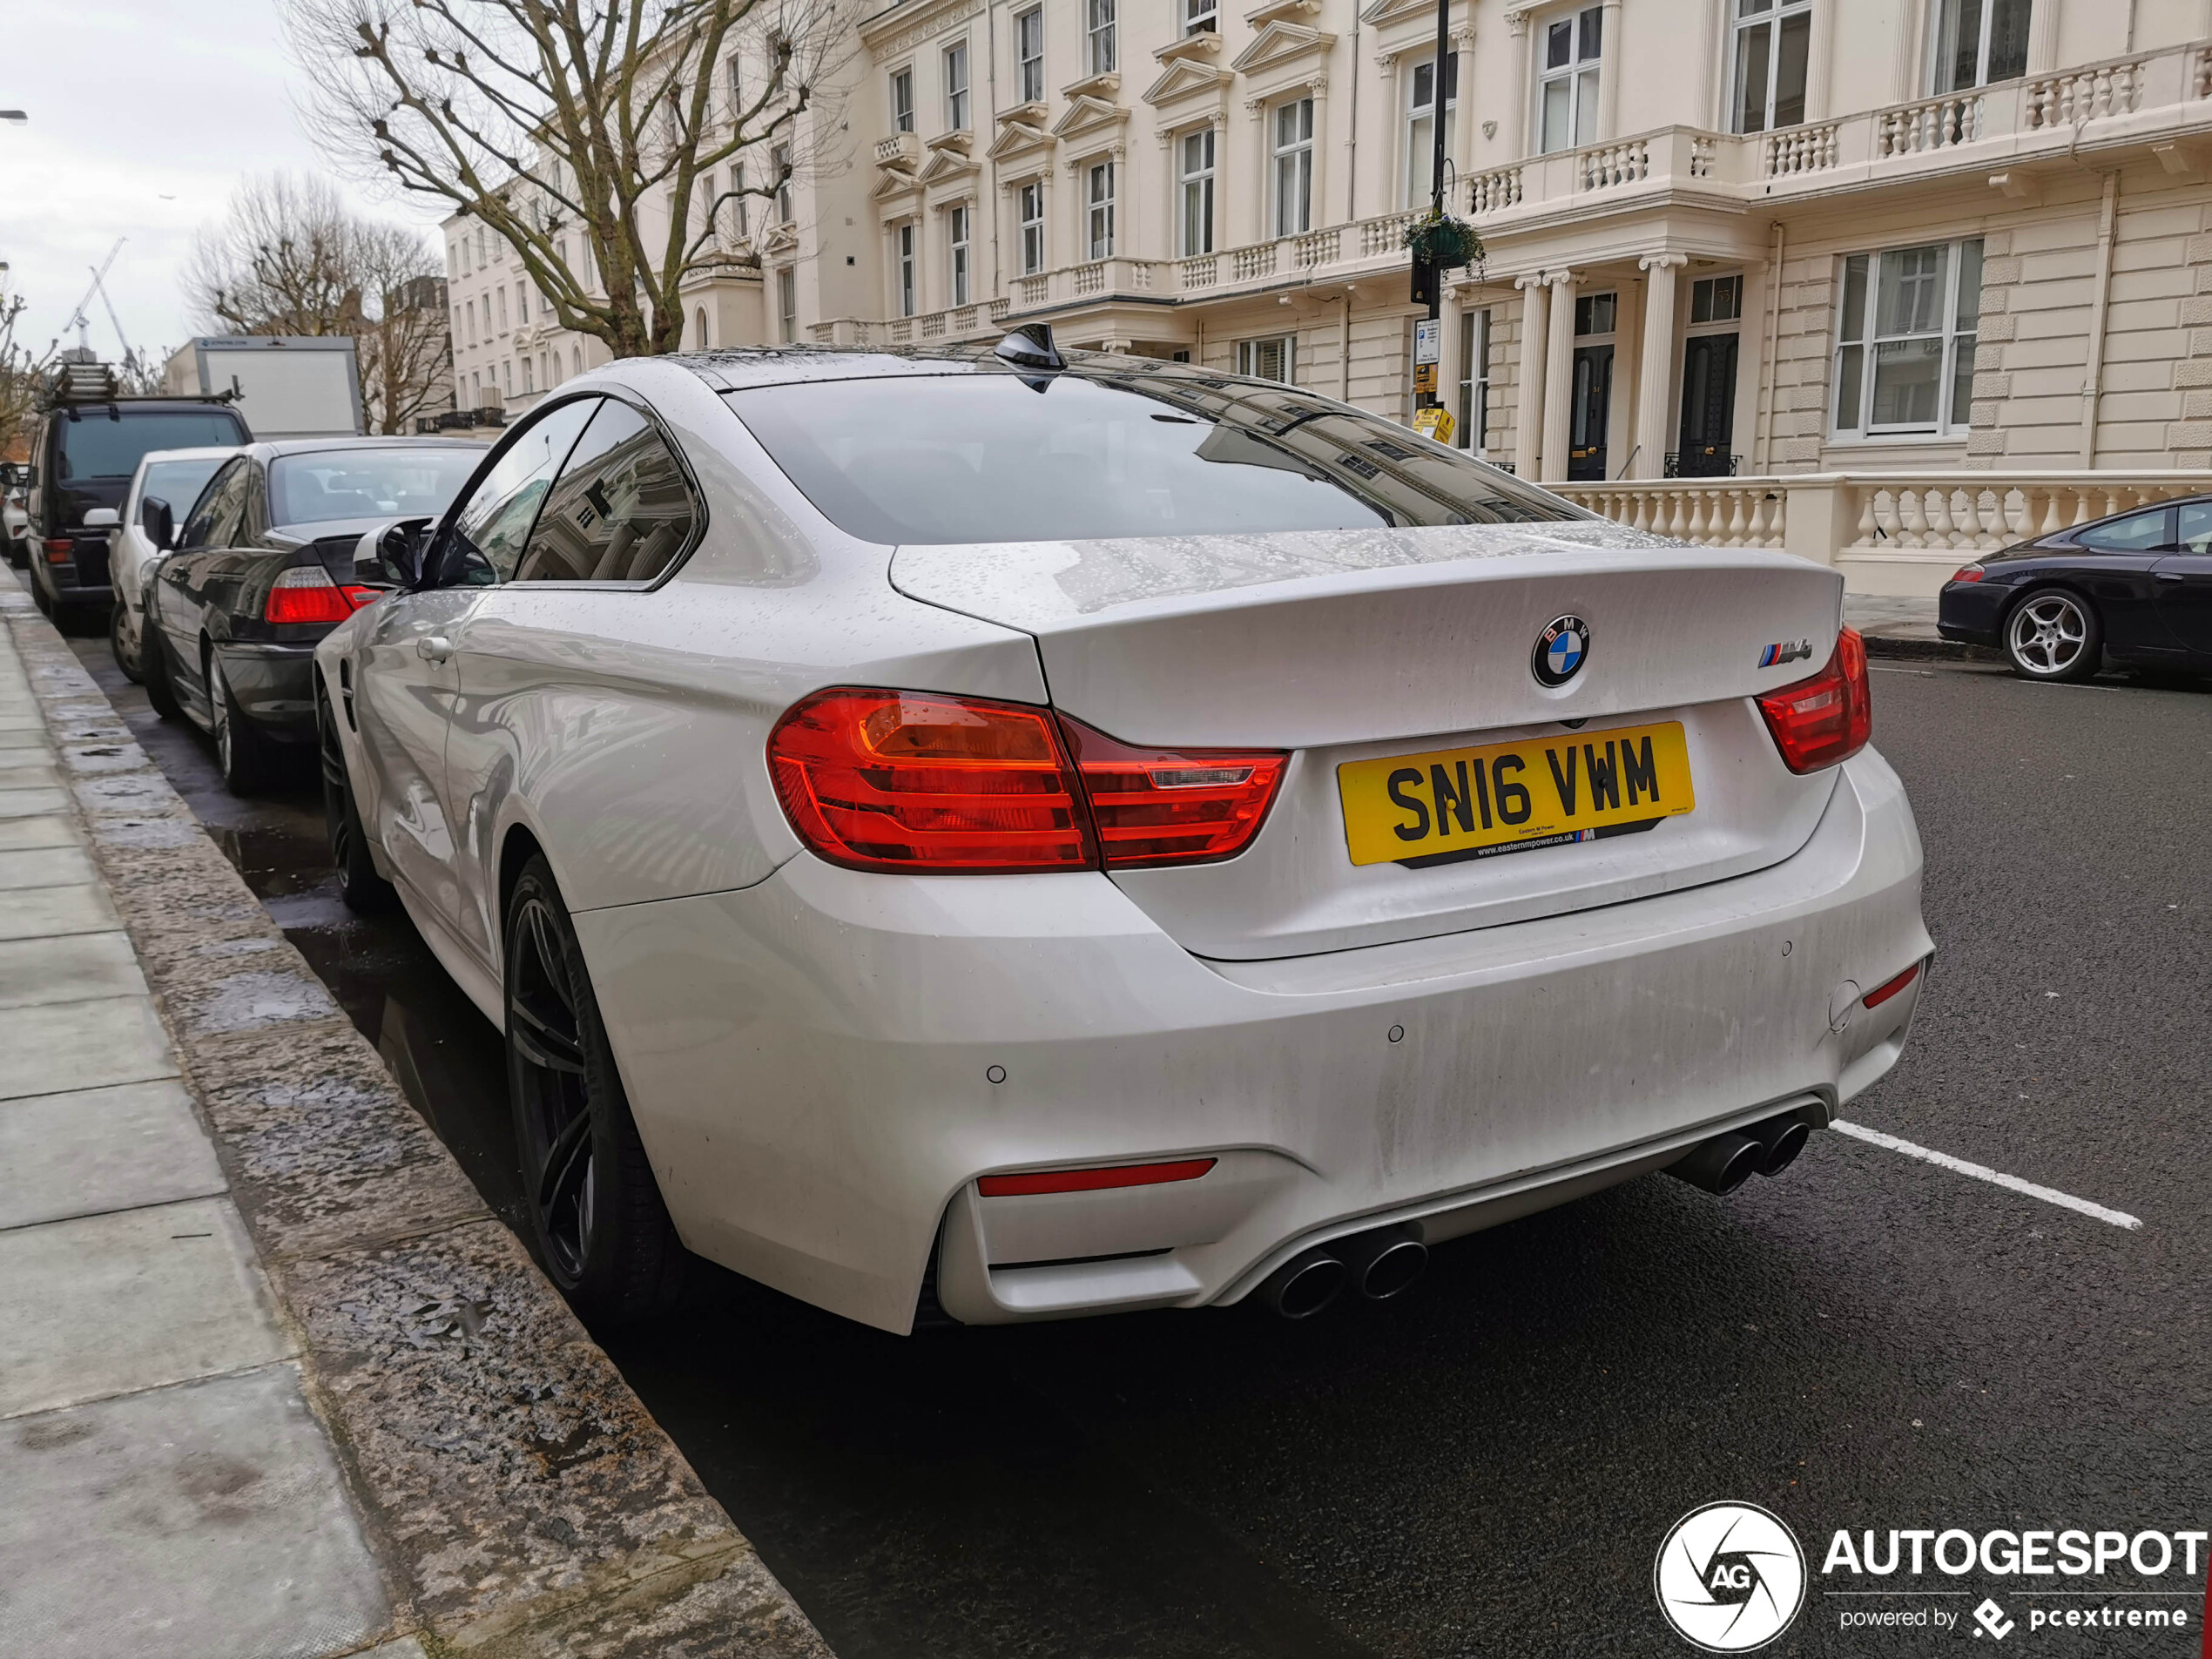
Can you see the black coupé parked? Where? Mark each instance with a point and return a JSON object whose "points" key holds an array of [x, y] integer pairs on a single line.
{"points": [[2134, 589], [263, 568]]}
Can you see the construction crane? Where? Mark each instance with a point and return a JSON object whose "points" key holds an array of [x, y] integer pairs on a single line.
{"points": [[81, 319], [130, 358]]}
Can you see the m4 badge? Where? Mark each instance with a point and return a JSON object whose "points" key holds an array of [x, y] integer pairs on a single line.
{"points": [[1787, 651]]}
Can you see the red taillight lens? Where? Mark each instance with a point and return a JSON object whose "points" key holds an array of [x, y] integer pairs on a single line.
{"points": [[1172, 806], [59, 549], [1968, 573], [305, 593], [1827, 718], [918, 781]]}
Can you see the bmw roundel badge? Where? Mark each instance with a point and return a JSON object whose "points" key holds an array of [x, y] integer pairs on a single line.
{"points": [[1561, 650]]}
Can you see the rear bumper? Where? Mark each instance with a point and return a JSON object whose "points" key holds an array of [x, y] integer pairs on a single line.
{"points": [[275, 684], [822, 1065], [1970, 611]]}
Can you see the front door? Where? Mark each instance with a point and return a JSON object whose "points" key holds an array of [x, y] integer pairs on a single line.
{"points": [[2183, 580], [1707, 407], [1592, 407]]}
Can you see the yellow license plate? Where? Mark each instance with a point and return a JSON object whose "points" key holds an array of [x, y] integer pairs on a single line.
{"points": [[1509, 797]]}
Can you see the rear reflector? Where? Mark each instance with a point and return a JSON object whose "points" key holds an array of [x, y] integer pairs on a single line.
{"points": [[1825, 719], [305, 593], [1889, 988], [1119, 1174], [1172, 806], [922, 782]]}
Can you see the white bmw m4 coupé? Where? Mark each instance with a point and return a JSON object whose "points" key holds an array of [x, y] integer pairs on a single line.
{"points": [[1010, 836]]}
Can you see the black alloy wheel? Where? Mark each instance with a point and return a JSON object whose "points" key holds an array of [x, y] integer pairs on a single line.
{"points": [[601, 1232], [359, 888]]}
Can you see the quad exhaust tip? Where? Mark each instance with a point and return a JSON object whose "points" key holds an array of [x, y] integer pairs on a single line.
{"points": [[1380, 1264], [1726, 1162]]}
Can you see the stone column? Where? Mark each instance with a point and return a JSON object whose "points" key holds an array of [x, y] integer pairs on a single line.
{"points": [[1528, 392], [1461, 145], [1656, 377], [1608, 74], [1559, 376], [1260, 193]]}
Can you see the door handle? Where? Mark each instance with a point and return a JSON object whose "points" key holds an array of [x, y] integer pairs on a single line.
{"points": [[433, 648], [2170, 576]]}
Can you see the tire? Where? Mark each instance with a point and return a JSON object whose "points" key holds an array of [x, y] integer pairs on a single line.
{"points": [[2054, 634], [39, 597], [359, 888], [125, 658], [153, 662], [248, 759], [597, 1224]]}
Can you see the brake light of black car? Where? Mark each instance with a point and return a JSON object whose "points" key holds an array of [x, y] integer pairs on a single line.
{"points": [[1968, 573], [1825, 719], [1156, 806], [59, 549], [305, 593]]}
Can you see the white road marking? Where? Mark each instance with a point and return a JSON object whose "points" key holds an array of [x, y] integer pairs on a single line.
{"points": [[1995, 1177]]}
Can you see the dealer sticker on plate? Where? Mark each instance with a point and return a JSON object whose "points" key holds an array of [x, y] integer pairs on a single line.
{"points": [[1512, 797]]}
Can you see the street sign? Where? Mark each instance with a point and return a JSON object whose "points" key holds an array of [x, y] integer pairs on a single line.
{"points": [[1428, 340], [1424, 379], [1434, 423]]}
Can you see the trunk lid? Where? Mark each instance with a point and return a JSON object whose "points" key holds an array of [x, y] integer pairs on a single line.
{"points": [[1349, 646]]}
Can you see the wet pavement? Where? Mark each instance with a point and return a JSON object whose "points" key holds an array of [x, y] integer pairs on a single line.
{"points": [[1868, 1342]]}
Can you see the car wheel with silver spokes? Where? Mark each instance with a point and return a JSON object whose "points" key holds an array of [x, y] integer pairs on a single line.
{"points": [[601, 1232], [2053, 635]]}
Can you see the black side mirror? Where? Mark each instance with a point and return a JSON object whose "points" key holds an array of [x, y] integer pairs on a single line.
{"points": [[392, 556], [158, 522], [10, 474]]}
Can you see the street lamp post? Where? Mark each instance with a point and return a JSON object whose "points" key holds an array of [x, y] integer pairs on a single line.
{"points": [[1428, 278]]}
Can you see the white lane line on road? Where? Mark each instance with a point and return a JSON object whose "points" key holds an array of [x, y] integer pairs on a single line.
{"points": [[1995, 1177]]}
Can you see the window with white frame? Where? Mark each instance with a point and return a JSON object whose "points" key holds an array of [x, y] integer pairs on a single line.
{"points": [[1474, 413], [472, 322], [780, 159], [956, 86], [1293, 156], [1421, 123], [1098, 37], [1194, 188], [1904, 341], [1028, 55], [1773, 41], [1029, 211], [734, 88], [1200, 17], [738, 215], [957, 250], [1976, 42], [905, 237], [902, 100], [1273, 357], [1567, 89], [786, 305], [1098, 210]]}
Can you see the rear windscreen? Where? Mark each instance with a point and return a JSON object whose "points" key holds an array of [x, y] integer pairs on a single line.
{"points": [[1001, 457], [96, 443], [325, 484]]}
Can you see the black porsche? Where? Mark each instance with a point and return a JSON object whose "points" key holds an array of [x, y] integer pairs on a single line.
{"points": [[2134, 589], [263, 568]]}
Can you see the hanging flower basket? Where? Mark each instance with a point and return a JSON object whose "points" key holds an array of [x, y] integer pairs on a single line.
{"points": [[1445, 242]]}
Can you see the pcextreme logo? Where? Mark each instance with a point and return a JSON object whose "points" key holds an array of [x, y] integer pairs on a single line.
{"points": [[1729, 1577]]}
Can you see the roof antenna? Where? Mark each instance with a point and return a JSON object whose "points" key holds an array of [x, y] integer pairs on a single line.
{"points": [[1030, 346]]}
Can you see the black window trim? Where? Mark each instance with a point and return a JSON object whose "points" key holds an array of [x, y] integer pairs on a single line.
{"points": [[544, 411]]}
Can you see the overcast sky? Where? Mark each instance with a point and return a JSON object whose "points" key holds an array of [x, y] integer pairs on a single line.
{"points": [[143, 116]]}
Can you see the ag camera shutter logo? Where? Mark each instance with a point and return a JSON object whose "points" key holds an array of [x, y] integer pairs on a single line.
{"points": [[1729, 1577]]}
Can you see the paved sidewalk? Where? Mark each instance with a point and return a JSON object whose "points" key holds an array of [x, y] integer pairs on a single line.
{"points": [[272, 1380], [164, 1487]]}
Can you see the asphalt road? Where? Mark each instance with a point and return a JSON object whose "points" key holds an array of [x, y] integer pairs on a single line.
{"points": [[1869, 1342]]}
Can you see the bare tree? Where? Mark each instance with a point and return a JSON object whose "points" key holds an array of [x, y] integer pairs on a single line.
{"points": [[290, 258], [18, 374], [586, 134]]}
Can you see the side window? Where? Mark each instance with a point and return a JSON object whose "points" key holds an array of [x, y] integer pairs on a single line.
{"points": [[494, 525], [218, 507], [2196, 526], [2136, 533], [621, 510]]}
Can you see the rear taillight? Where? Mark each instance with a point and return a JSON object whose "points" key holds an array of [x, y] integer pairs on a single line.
{"points": [[1172, 806], [918, 781], [59, 549], [1968, 573], [305, 593], [1827, 718]]}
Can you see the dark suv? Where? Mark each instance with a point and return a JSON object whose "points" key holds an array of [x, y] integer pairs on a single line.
{"points": [[82, 454]]}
